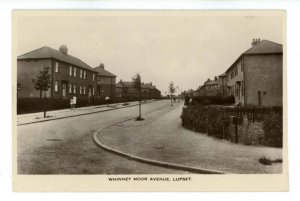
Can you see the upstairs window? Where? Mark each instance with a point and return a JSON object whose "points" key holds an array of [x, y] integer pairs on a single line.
{"points": [[235, 70], [74, 71], [80, 73], [70, 73], [84, 74], [242, 64], [94, 76], [56, 67]]}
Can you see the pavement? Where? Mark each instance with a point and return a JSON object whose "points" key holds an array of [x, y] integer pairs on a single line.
{"points": [[161, 138], [30, 118]]}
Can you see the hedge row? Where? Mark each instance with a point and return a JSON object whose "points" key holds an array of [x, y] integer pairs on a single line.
{"points": [[215, 121], [30, 105], [205, 119]]}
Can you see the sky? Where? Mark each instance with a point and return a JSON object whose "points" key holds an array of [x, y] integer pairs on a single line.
{"points": [[186, 47]]}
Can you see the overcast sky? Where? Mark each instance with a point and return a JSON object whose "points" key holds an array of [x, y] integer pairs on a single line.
{"points": [[184, 47]]}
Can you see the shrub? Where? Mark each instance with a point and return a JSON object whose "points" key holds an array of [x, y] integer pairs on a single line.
{"points": [[205, 119], [215, 100], [265, 161], [272, 126], [205, 102]]}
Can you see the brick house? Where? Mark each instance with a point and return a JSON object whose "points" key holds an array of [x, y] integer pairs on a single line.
{"points": [[106, 82], [70, 76], [209, 88], [222, 80], [255, 78], [125, 90]]}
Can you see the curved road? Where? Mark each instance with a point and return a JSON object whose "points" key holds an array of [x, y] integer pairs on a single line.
{"points": [[66, 146]]}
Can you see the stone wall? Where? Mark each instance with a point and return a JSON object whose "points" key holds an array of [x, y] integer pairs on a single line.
{"points": [[248, 133]]}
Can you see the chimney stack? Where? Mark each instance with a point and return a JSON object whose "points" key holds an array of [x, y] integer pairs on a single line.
{"points": [[102, 66], [63, 49], [255, 41]]}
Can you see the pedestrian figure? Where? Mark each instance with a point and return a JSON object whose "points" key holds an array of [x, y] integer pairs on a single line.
{"points": [[71, 103], [107, 101], [74, 101]]}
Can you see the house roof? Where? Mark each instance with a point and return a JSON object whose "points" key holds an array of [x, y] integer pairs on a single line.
{"points": [[103, 72], [265, 47], [211, 82], [148, 86], [124, 84], [130, 84], [223, 75], [262, 47], [48, 52]]}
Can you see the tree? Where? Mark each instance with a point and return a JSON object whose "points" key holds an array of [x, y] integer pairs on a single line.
{"points": [[42, 83], [137, 84], [172, 91]]}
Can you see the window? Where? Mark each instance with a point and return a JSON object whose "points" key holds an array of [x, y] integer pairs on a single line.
{"points": [[74, 88], [84, 74], [70, 71], [93, 76], [242, 64], [56, 86], [93, 92], [74, 71], [235, 70], [243, 88], [70, 88], [98, 78], [56, 67], [80, 89], [84, 89], [80, 73]]}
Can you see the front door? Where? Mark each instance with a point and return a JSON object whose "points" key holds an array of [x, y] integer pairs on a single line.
{"points": [[64, 89]]}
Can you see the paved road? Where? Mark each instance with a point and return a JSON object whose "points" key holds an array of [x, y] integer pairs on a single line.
{"points": [[66, 147]]}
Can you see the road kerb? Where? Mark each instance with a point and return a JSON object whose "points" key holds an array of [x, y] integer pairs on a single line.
{"points": [[150, 161]]}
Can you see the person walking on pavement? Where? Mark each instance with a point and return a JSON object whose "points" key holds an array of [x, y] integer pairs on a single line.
{"points": [[107, 101], [74, 101], [71, 103]]}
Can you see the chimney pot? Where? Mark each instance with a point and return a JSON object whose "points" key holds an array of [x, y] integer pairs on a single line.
{"points": [[102, 66], [255, 41], [63, 49]]}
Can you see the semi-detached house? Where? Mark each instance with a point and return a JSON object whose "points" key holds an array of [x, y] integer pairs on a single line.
{"points": [[255, 78], [70, 76]]}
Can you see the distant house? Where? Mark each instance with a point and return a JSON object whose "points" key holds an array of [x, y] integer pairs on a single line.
{"points": [[150, 91], [255, 78], [70, 75], [222, 80], [106, 82], [211, 87], [125, 90]]}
